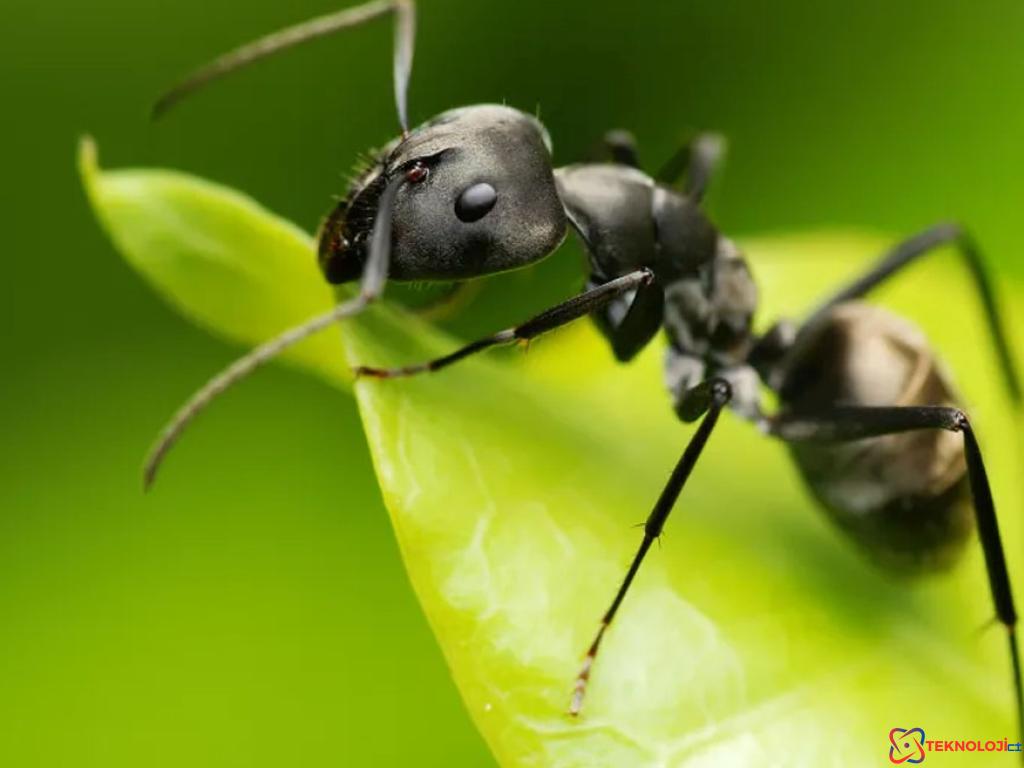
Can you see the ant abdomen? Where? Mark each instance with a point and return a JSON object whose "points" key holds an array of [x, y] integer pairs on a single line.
{"points": [[903, 497]]}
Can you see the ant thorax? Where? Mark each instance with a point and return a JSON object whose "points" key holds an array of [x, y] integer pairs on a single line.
{"points": [[704, 296]]}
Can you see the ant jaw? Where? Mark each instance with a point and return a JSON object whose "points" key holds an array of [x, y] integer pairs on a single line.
{"points": [[340, 256]]}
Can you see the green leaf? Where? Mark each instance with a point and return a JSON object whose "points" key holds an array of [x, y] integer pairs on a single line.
{"points": [[754, 635], [216, 255]]}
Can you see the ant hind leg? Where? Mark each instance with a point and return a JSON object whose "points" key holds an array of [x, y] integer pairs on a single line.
{"points": [[847, 423]]}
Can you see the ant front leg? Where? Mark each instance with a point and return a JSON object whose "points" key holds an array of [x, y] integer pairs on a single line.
{"points": [[629, 322], [847, 423], [707, 399], [573, 309]]}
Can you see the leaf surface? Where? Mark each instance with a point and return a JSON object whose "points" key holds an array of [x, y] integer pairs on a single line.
{"points": [[216, 255], [755, 635]]}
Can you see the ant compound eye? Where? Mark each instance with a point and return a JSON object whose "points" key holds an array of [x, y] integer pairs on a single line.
{"points": [[475, 202], [417, 174]]}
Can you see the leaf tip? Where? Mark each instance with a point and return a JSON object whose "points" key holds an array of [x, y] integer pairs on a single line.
{"points": [[88, 153], [88, 161]]}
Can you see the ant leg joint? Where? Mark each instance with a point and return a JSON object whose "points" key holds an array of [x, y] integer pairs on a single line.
{"points": [[959, 421], [721, 391]]}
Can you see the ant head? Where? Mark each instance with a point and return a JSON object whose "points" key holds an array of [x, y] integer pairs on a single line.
{"points": [[476, 196]]}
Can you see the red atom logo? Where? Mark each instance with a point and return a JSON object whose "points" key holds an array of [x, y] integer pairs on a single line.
{"points": [[906, 746]]}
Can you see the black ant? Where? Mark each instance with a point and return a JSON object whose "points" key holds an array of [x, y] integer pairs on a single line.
{"points": [[870, 419]]}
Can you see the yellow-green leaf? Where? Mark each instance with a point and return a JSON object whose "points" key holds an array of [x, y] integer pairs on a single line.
{"points": [[220, 258], [755, 635]]}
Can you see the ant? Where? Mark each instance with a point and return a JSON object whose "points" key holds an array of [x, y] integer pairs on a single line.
{"points": [[868, 414]]}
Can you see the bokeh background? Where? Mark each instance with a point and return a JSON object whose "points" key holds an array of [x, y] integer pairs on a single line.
{"points": [[253, 610]]}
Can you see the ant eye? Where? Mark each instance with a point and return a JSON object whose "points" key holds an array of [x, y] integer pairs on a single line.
{"points": [[475, 202], [417, 173]]}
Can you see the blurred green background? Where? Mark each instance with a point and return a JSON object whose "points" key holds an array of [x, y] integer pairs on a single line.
{"points": [[253, 610]]}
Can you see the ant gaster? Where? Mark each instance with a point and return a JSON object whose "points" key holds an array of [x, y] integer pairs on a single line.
{"points": [[870, 418]]}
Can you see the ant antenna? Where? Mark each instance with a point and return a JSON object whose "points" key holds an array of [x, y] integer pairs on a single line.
{"points": [[371, 286], [322, 26]]}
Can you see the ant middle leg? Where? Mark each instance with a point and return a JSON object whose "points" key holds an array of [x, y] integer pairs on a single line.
{"points": [[708, 399], [621, 145], [697, 159], [583, 304]]}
